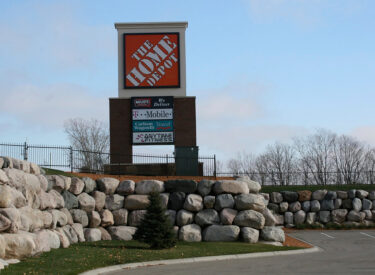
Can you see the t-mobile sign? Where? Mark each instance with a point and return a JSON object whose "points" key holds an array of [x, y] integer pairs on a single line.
{"points": [[151, 60]]}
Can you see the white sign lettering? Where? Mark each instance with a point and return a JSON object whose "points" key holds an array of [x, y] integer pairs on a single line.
{"points": [[152, 114]]}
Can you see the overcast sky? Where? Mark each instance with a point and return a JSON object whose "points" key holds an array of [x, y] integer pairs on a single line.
{"points": [[262, 70]]}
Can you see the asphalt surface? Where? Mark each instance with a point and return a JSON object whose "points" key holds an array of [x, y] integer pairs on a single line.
{"points": [[343, 252]]}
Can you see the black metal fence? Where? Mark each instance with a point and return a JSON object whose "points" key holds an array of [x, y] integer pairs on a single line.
{"points": [[69, 159]]}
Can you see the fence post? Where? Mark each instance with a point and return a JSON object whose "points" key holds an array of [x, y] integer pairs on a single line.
{"points": [[25, 151], [167, 165], [71, 158], [215, 166]]}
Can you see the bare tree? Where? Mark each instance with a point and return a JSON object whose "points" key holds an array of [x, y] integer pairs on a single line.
{"points": [[91, 139]]}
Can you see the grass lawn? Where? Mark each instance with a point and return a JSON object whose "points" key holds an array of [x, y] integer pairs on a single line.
{"points": [[342, 187], [50, 171], [90, 255]]}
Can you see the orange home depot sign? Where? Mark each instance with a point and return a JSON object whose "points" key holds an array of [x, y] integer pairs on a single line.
{"points": [[151, 60]]}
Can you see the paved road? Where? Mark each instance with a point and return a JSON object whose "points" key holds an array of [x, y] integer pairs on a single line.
{"points": [[344, 252]]}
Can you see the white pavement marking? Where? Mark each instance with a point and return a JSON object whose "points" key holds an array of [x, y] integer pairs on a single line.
{"points": [[329, 236], [367, 235]]}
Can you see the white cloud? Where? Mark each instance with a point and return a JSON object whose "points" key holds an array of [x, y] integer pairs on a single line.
{"points": [[365, 134]]}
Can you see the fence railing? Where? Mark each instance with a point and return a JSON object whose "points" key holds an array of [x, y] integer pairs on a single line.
{"points": [[69, 159]]}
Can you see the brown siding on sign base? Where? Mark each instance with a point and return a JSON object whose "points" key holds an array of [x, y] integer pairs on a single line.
{"points": [[185, 121]]}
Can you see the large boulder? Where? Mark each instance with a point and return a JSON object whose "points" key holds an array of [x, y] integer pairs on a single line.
{"points": [[70, 233], [78, 228], [64, 241], [59, 218], [209, 201], [190, 233], [136, 202], [58, 183], [186, 186], [352, 193], [90, 185], [337, 203], [311, 218], [276, 197], [47, 201], [249, 235], [95, 219], [325, 216], [18, 246], [77, 185], [176, 200], [305, 206], [342, 195], [171, 214], [254, 187], [184, 217], [5, 223], [135, 217], [371, 195], [80, 216], [123, 233], [193, 203], [107, 185], [6, 197], [3, 177], [120, 216], [361, 194], [231, 187], [227, 216], [99, 198], [319, 194], [270, 219], [289, 218], [284, 207], [299, 217], [224, 201], [145, 187], [126, 187], [205, 187], [290, 196], [92, 234], [354, 216], [366, 204], [114, 202], [250, 218], [315, 206], [46, 239], [106, 217], [221, 233], [105, 235], [207, 217], [250, 202], [272, 234], [57, 198], [339, 215], [327, 205], [357, 204], [86, 202], [14, 216], [304, 195], [331, 195], [70, 200], [347, 204], [294, 206]]}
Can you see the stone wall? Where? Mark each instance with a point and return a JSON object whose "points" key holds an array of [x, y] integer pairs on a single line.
{"points": [[350, 208], [39, 212]]}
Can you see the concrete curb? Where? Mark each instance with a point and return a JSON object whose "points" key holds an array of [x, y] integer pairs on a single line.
{"points": [[200, 259]]}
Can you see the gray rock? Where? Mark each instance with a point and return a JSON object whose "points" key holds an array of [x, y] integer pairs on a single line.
{"points": [[5, 223], [371, 195], [227, 216], [99, 198], [299, 217], [342, 195], [105, 235], [59, 218], [80, 216], [171, 214], [184, 217], [107, 185], [337, 203], [164, 197], [361, 194], [207, 217], [78, 228], [120, 217], [276, 197], [354, 216], [272, 234], [319, 194], [231, 187], [324, 216], [275, 208], [14, 216], [209, 201], [86, 202], [368, 215], [250, 218], [71, 201], [76, 186], [352, 193], [314, 206], [306, 206], [250, 202], [136, 202], [47, 218], [290, 196], [347, 204], [58, 183], [94, 218], [92, 234], [249, 235], [294, 206], [122, 233], [310, 217], [205, 187], [279, 219], [126, 187], [176, 200], [339, 215], [224, 201], [114, 202], [106, 217], [357, 204], [70, 233], [193, 203], [185, 186], [254, 187], [145, 187], [56, 197], [270, 219], [90, 185], [284, 207], [190, 233], [331, 195], [327, 205], [221, 233], [135, 217], [366, 204]]}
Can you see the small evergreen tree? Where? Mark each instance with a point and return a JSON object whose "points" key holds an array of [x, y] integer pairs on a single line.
{"points": [[155, 228]]}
